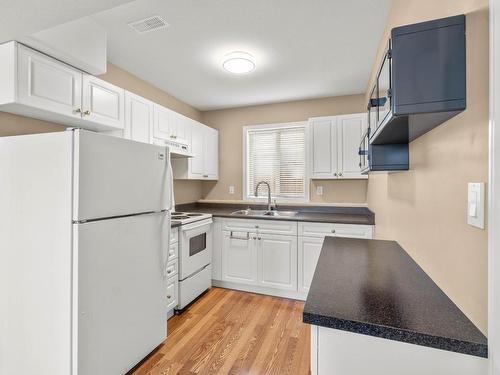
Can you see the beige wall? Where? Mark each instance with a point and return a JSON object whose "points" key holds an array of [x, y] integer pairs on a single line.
{"points": [[230, 124], [132, 83], [185, 191], [424, 209]]}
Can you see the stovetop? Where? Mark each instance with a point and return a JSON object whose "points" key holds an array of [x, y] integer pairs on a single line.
{"points": [[187, 217]]}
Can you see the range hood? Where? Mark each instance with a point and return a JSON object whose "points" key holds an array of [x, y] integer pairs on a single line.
{"points": [[177, 150]]}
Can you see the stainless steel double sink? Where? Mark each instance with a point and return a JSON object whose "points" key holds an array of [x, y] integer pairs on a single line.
{"points": [[257, 213]]}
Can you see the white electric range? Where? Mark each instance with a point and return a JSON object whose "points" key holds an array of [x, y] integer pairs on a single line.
{"points": [[195, 255]]}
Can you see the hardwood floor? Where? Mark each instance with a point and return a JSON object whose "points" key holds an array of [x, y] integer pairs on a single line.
{"points": [[232, 332]]}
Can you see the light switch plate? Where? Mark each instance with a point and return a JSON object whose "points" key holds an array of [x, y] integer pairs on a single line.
{"points": [[475, 204], [319, 190], [231, 189]]}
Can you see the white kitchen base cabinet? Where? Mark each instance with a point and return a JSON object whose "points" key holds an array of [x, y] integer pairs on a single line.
{"points": [[336, 352], [239, 258], [277, 261], [309, 250], [274, 257]]}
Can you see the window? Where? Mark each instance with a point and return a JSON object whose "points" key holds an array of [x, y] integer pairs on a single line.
{"points": [[276, 154]]}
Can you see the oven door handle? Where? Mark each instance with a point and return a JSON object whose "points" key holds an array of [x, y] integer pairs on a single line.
{"points": [[196, 224], [239, 238]]}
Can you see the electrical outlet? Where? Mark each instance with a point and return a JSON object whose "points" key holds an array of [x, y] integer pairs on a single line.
{"points": [[231, 189], [319, 190]]}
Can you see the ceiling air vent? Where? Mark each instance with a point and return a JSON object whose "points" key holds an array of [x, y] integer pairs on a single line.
{"points": [[148, 24]]}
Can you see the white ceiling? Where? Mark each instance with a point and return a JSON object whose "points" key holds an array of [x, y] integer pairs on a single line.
{"points": [[19, 18], [303, 48]]}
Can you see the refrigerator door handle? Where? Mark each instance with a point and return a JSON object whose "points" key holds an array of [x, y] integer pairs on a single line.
{"points": [[165, 247], [170, 181]]}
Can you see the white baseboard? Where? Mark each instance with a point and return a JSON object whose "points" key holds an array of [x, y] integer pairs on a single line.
{"points": [[301, 296]]}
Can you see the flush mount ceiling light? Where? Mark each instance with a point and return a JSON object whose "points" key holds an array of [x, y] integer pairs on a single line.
{"points": [[238, 63]]}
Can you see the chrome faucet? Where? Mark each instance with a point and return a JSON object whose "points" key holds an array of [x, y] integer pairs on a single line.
{"points": [[268, 193]]}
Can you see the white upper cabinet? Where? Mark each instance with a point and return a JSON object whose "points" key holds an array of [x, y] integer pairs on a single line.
{"points": [[163, 126], [47, 84], [138, 118], [103, 103], [197, 162], [38, 86], [351, 129], [204, 165], [171, 126], [324, 141], [334, 144], [211, 153]]}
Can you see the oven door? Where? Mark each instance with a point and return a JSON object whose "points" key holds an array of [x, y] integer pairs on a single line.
{"points": [[195, 248]]}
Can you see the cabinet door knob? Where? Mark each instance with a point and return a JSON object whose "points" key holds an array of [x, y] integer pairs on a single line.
{"points": [[169, 271], [205, 175], [333, 230], [87, 113], [78, 110], [335, 174], [169, 297], [340, 174], [257, 226]]}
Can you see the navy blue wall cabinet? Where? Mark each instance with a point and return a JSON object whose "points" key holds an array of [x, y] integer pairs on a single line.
{"points": [[421, 82], [386, 157]]}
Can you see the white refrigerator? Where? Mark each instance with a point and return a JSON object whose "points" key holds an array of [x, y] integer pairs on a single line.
{"points": [[84, 236]]}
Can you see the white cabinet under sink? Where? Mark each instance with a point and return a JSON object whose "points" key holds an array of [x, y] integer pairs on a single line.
{"points": [[276, 257], [334, 143], [239, 258], [264, 260]]}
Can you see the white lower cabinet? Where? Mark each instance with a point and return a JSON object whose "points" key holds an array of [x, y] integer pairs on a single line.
{"points": [[277, 256], [310, 241], [334, 351], [272, 256], [309, 250], [172, 291], [239, 258]]}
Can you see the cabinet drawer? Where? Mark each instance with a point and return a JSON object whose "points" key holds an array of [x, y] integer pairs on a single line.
{"points": [[262, 226], [332, 229], [173, 251], [172, 268], [174, 235], [171, 293]]}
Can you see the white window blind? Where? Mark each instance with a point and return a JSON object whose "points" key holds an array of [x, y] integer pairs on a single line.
{"points": [[277, 156]]}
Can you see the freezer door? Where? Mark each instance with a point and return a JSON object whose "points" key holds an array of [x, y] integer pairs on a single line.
{"points": [[120, 313], [115, 176]]}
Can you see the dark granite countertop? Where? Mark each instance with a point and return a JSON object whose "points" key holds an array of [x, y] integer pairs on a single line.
{"points": [[175, 224], [374, 287], [324, 214]]}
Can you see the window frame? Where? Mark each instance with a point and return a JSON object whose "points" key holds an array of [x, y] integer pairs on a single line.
{"points": [[249, 196]]}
